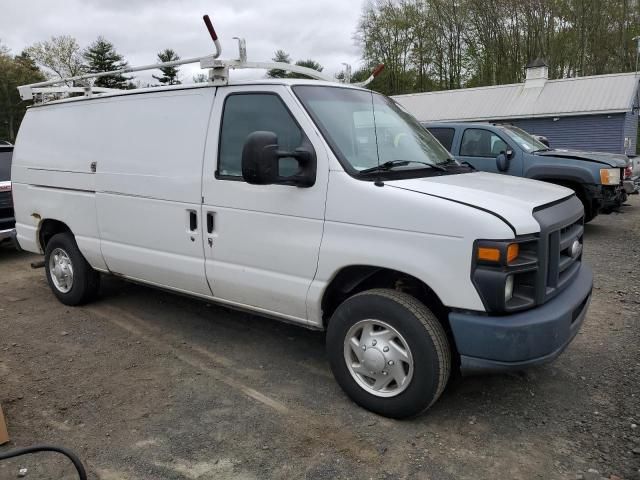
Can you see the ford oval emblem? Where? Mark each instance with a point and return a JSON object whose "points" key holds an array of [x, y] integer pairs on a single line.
{"points": [[576, 249]]}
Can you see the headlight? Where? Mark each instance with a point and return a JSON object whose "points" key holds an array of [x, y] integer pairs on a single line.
{"points": [[508, 289], [610, 176], [504, 273]]}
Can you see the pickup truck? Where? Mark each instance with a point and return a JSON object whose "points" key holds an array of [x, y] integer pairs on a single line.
{"points": [[595, 177], [7, 218]]}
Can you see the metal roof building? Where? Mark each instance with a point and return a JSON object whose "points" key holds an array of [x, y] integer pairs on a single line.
{"points": [[597, 113]]}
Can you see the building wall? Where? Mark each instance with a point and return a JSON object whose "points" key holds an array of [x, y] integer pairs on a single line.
{"points": [[630, 132], [600, 133]]}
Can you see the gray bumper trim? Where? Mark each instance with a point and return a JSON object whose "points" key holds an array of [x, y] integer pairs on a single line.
{"points": [[10, 233], [494, 344]]}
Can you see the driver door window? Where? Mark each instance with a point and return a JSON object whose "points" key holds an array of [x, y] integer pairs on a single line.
{"points": [[481, 143], [250, 112]]}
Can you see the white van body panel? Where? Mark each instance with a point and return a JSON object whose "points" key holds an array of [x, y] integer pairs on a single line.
{"points": [[148, 152], [427, 238], [148, 185], [506, 196], [72, 207]]}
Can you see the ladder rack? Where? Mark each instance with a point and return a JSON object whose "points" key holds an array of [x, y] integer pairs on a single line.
{"points": [[218, 71]]}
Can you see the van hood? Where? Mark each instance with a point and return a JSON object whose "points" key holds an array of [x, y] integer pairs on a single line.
{"points": [[611, 159], [510, 198]]}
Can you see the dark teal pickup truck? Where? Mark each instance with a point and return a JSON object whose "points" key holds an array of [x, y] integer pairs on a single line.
{"points": [[597, 178]]}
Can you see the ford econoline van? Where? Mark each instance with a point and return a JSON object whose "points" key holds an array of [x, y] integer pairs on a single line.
{"points": [[316, 203]]}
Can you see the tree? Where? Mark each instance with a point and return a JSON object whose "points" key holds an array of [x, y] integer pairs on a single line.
{"points": [[14, 71], [101, 56], [60, 55], [280, 57], [444, 44], [169, 74]]}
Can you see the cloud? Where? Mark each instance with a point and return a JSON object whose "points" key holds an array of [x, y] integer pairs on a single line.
{"points": [[139, 29]]}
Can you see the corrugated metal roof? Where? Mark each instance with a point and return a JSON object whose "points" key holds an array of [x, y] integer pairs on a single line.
{"points": [[568, 96]]}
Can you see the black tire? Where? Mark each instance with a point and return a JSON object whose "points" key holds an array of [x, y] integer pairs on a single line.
{"points": [[421, 331], [86, 281], [589, 211]]}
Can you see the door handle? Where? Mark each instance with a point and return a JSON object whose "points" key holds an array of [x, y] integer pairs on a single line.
{"points": [[193, 221], [210, 222]]}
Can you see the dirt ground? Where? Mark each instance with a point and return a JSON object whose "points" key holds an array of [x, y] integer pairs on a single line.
{"points": [[149, 385]]}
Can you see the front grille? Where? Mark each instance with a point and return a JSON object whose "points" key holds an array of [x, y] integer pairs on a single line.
{"points": [[6, 200], [561, 224], [563, 264]]}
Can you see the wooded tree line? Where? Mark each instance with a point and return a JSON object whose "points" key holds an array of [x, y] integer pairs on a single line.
{"points": [[444, 44], [425, 45]]}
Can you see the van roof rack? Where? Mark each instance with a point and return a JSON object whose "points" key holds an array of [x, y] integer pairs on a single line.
{"points": [[218, 72]]}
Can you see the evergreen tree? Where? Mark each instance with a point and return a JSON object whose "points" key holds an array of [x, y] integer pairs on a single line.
{"points": [[169, 74], [101, 56], [14, 71], [281, 57]]}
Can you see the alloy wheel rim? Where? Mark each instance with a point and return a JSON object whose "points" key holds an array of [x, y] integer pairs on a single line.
{"points": [[378, 358], [61, 270]]}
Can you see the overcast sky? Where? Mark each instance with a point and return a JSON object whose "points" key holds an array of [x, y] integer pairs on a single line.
{"points": [[321, 30]]}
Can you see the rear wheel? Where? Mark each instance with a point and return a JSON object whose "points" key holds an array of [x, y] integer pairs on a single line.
{"points": [[388, 352], [69, 275]]}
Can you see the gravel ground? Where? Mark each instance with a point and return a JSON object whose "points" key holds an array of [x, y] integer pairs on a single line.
{"points": [[149, 385]]}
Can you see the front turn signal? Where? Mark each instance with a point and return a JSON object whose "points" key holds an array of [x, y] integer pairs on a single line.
{"points": [[495, 254], [513, 250], [489, 254]]}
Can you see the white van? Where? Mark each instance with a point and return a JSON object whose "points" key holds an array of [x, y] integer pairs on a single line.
{"points": [[315, 203]]}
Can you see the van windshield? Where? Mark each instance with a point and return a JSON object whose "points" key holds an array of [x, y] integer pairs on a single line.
{"points": [[366, 130]]}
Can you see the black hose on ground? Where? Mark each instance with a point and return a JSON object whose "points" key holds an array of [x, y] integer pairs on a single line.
{"points": [[48, 448]]}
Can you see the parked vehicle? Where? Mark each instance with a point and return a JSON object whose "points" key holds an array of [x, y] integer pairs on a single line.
{"points": [[595, 177], [632, 176], [313, 202], [7, 218]]}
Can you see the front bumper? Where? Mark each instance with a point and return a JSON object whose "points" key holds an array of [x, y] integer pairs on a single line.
{"points": [[8, 234], [611, 198], [488, 344]]}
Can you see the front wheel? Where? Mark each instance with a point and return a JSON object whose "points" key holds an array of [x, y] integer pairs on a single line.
{"points": [[388, 352], [69, 275]]}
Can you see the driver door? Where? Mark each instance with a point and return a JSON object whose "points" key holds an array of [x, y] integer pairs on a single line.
{"points": [[480, 147], [261, 241]]}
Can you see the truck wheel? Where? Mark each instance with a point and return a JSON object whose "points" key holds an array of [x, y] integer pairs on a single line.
{"points": [[70, 276], [388, 352], [589, 211]]}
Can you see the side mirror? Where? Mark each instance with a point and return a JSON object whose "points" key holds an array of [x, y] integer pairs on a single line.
{"points": [[503, 159], [261, 161]]}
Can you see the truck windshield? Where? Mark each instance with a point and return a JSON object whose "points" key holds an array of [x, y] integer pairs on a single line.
{"points": [[527, 142], [367, 130]]}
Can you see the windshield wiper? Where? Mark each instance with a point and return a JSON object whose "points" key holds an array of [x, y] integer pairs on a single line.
{"points": [[467, 164], [383, 167], [547, 149]]}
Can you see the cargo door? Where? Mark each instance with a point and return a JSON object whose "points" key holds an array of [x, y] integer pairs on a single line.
{"points": [[149, 187]]}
